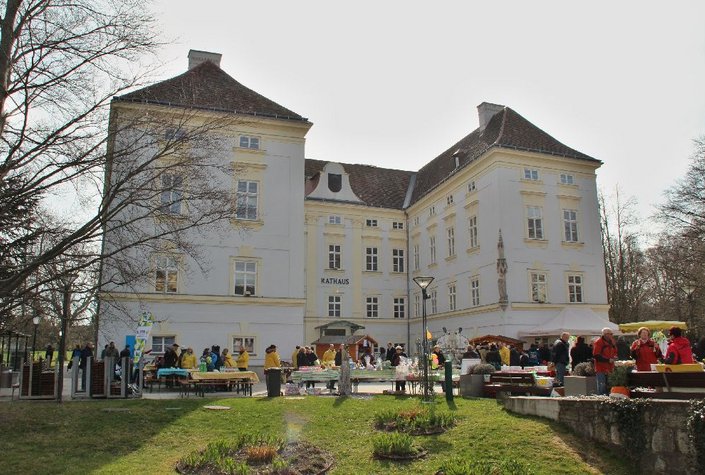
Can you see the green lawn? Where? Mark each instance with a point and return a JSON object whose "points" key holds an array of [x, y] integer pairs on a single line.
{"points": [[143, 436]]}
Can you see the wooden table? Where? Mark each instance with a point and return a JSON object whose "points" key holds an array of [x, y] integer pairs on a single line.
{"points": [[243, 380]]}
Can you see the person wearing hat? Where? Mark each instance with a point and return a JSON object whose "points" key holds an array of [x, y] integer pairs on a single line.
{"points": [[271, 358], [396, 360], [678, 351], [604, 351]]}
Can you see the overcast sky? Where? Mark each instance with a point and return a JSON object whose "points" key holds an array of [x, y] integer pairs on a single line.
{"points": [[394, 83]]}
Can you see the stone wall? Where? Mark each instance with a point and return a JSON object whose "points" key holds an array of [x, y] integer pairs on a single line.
{"points": [[668, 448]]}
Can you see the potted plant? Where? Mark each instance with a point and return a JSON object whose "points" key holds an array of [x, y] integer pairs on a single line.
{"points": [[581, 381], [471, 384], [619, 381]]}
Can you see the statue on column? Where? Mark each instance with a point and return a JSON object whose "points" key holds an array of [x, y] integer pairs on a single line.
{"points": [[502, 273], [344, 383]]}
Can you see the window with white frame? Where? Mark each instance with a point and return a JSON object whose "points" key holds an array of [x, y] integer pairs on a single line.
{"points": [[371, 259], [247, 141], [535, 222], [372, 307], [575, 288], [432, 249], [161, 343], [451, 241], [416, 220], [538, 287], [567, 179], [449, 200], [334, 256], [432, 211], [417, 257], [399, 307], [475, 291], [334, 304], [166, 278], [398, 225], [246, 199], [570, 225], [433, 294], [472, 232], [245, 277], [334, 219], [172, 194], [531, 174], [246, 342], [417, 304], [451, 296], [371, 223], [471, 187], [397, 260]]}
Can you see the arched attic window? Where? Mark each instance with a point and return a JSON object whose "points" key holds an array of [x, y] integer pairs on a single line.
{"points": [[335, 182]]}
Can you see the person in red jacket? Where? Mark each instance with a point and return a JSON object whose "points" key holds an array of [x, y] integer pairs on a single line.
{"points": [[645, 350], [604, 351], [678, 351]]}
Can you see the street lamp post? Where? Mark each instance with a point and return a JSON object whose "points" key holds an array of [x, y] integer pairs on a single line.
{"points": [[689, 291], [423, 283], [35, 320]]}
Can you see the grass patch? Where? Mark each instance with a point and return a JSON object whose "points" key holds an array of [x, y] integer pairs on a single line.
{"points": [[394, 444], [416, 421], [80, 437]]}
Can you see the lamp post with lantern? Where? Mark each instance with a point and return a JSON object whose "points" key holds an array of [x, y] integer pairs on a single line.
{"points": [[423, 282]]}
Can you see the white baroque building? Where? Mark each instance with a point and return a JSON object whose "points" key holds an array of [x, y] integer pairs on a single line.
{"points": [[506, 221]]}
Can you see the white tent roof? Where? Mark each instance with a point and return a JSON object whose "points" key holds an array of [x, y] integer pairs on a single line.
{"points": [[574, 320]]}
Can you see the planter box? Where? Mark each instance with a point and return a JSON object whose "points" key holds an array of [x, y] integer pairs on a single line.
{"points": [[471, 385], [580, 385]]}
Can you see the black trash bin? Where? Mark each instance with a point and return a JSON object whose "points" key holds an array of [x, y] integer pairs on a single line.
{"points": [[274, 382]]}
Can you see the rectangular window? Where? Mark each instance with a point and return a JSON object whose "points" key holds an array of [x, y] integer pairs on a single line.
{"points": [[575, 288], [417, 304], [471, 187], [475, 291], [247, 342], [334, 305], [535, 222], [570, 225], [432, 211], [417, 257], [416, 220], [166, 274], [246, 199], [371, 259], [567, 179], [433, 294], [531, 174], [334, 256], [397, 225], [249, 142], [449, 200], [472, 232], [371, 223], [432, 249], [538, 287], [397, 260], [451, 241], [161, 343], [399, 307], [372, 307], [451, 297], [245, 278], [334, 219], [172, 193]]}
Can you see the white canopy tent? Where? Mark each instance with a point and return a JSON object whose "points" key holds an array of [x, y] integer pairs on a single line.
{"points": [[574, 320]]}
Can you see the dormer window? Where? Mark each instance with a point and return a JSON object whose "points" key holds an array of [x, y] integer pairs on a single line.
{"points": [[335, 182], [247, 141]]}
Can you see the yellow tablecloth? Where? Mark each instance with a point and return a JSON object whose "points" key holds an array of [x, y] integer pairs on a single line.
{"points": [[230, 376]]}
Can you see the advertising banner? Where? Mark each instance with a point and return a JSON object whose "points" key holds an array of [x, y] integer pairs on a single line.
{"points": [[144, 328]]}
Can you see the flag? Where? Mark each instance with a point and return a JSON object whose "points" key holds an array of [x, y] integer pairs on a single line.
{"points": [[428, 335]]}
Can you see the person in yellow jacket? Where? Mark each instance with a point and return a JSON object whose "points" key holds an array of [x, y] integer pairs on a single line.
{"points": [[328, 359], [271, 358], [188, 360], [243, 360], [295, 357], [227, 358], [504, 354]]}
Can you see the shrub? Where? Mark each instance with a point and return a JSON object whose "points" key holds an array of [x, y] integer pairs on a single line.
{"points": [[393, 443], [258, 449], [459, 466], [584, 369], [483, 369], [619, 376], [260, 454], [418, 420]]}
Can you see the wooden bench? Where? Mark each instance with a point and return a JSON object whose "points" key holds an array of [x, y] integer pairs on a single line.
{"points": [[523, 384], [200, 386], [668, 385]]}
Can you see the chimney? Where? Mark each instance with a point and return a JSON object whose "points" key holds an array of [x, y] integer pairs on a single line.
{"points": [[486, 110], [196, 57]]}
